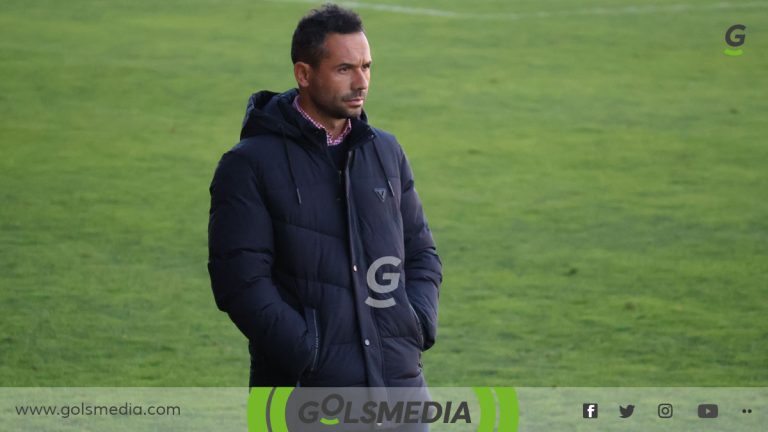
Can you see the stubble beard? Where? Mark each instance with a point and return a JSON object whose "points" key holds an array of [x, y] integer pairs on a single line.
{"points": [[337, 110]]}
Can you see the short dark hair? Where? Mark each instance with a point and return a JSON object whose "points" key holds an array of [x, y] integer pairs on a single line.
{"points": [[310, 33]]}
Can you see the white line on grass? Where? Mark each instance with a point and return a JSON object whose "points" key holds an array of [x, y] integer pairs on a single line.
{"points": [[595, 11], [407, 10]]}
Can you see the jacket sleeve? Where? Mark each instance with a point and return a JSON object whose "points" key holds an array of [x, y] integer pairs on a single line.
{"points": [[240, 247], [423, 269]]}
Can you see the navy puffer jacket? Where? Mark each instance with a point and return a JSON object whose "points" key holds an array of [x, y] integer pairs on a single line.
{"points": [[292, 241]]}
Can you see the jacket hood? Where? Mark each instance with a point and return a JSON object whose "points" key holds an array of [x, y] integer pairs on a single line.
{"points": [[273, 113], [268, 112]]}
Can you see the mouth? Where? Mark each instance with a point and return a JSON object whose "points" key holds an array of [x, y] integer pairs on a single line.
{"points": [[355, 101]]}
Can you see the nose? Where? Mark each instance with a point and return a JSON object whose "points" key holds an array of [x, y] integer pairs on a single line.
{"points": [[361, 79]]}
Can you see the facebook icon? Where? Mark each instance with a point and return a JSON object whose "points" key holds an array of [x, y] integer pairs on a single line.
{"points": [[590, 410]]}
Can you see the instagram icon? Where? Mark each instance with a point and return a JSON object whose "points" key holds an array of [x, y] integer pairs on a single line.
{"points": [[665, 410]]}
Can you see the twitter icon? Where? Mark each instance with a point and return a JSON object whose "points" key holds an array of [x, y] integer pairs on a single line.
{"points": [[626, 412]]}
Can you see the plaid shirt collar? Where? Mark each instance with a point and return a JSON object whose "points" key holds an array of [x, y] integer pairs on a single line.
{"points": [[330, 140]]}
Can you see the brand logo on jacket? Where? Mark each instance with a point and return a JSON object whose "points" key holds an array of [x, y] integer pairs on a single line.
{"points": [[381, 193], [391, 277]]}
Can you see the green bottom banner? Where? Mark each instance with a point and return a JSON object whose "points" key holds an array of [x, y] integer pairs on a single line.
{"points": [[480, 409]]}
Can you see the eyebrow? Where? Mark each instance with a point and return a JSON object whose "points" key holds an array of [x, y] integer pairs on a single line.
{"points": [[352, 65]]}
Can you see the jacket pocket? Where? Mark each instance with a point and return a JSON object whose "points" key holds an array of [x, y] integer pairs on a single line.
{"points": [[314, 334], [420, 332]]}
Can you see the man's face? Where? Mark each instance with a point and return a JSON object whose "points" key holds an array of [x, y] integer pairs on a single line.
{"points": [[338, 85]]}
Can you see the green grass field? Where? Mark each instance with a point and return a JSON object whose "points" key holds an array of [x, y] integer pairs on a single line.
{"points": [[595, 177]]}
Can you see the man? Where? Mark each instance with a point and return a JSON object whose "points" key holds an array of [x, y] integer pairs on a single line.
{"points": [[319, 249]]}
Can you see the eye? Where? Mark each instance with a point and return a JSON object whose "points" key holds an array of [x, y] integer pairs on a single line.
{"points": [[344, 69]]}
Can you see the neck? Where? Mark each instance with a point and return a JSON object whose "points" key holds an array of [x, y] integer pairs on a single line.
{"points": [[334, 126]]}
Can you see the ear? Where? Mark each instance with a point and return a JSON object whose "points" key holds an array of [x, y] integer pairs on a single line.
{"points": [[302, 71]]}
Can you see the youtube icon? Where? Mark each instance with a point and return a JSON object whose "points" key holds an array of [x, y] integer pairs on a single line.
{"points": [[708, 411]]}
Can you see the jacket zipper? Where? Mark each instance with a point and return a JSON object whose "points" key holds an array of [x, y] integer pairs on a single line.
{"points": [[317, 342], [351, 226]]}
